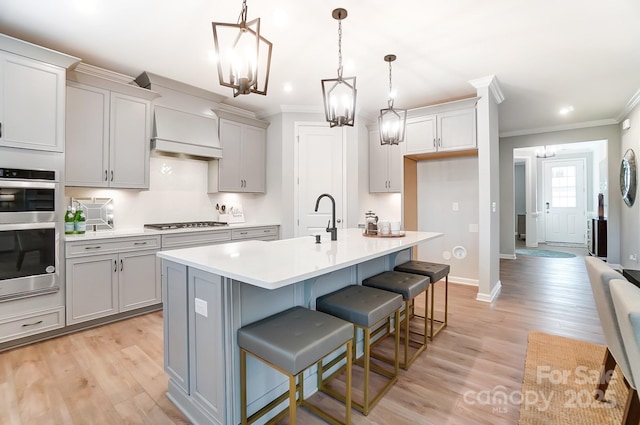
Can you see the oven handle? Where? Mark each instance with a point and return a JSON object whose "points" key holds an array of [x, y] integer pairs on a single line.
{"points": [[27, 184], [27, 226]]}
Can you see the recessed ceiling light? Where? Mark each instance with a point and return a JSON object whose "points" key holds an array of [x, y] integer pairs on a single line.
{"points": [[566, 110], [288, 88]]}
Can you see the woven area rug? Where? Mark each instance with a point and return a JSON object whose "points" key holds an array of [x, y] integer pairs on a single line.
{"points": [[545, 253], [560, 380]]}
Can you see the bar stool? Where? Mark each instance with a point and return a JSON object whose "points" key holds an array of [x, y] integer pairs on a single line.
{"points": [[435, 272], [291, 342], [408, 285], [366, 308]]}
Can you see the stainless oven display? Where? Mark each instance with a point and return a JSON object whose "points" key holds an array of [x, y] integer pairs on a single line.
{"points": [[20, 199]]}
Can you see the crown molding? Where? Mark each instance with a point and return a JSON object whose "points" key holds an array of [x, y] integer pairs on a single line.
{"points": [[631, 104], [491, 82], [574, 126], [105, 74]]}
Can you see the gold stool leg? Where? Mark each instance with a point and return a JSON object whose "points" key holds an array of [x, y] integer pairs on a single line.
{"points": [[347, 401], [444, 322], [292, 399], [433, 296], [406, 334], [367, 367], [426, 302], [243, 385]]}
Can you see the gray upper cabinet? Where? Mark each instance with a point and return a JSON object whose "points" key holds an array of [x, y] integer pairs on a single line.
{"points": [[31, 104], [385, 165], [243, 164], [107, 142]]}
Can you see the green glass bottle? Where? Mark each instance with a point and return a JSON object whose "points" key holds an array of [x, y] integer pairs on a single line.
{"points": [[80, 222], [69, 221]]}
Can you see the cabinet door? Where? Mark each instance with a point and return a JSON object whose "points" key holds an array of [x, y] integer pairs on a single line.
{"points": [[87, 136], [229, 169], [457, 130], [175, 311], [206, 352], [253, 157], [92, 287], [139, 280], [31, 104], [129, 142], [420, 134], [378, 158]]}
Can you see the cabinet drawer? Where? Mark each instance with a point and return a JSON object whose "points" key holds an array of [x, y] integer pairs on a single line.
{"points": [[105, 246], [255, 233], [179, 240], [22, 326]]}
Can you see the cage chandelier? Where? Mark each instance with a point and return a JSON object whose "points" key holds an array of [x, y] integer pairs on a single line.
{"points": [[391, 122], [243, 55], [339, 94]]}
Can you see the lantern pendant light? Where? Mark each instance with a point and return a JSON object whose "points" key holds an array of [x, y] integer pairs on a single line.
{"points": [[339, 94], [391, 122], [243, 55]]}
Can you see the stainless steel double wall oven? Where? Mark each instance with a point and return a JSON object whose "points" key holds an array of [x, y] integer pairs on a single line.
{"points": [[29, 241]]}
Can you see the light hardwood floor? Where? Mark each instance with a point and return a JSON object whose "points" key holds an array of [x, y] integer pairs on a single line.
{"points": [[113, 374]]}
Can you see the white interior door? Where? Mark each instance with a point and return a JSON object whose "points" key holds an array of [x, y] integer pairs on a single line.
{"points": [[565, 201], [320, 170]]}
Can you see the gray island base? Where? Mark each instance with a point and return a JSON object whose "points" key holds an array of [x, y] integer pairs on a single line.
{"points": [[210, 292]]}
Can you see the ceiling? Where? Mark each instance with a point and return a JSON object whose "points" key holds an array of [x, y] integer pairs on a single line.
{"points": [[545, 54]]}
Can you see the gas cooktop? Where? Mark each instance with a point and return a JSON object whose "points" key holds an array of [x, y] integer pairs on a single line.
{"points": [[185, 225]]}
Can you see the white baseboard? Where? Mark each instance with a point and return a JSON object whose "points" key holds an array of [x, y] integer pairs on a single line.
{"points": [[507, 256], [463, 281], [489, 298]]}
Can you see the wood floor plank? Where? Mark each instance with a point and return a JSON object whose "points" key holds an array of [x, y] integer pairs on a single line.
{"points": [[114, 374]]}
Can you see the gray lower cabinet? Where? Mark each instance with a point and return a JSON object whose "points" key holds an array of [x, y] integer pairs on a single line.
{"points": [[106, 277], [194, 358]]}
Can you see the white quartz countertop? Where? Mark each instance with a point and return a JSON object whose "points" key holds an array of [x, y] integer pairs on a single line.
{"points": [[275, 264], [123, 233]]}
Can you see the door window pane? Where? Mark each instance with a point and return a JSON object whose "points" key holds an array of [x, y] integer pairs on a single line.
{"points": [[563, 187]]}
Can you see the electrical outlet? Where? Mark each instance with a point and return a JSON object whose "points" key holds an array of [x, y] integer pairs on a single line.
{"points": [[633, 257], [456, 207]]}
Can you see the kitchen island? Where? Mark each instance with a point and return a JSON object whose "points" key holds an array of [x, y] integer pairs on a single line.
{"points": [[210, 292]]}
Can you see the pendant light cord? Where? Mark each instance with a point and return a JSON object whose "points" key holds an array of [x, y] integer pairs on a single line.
{"points": [[340, 48], [390, 102], [243, 13]]}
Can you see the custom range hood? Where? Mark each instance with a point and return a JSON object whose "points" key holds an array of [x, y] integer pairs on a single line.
{"points": [[181, 132], [184, 121]]}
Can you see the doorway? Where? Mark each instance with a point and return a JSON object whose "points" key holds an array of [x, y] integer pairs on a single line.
{"points": [[565, 201], [320, 153]]}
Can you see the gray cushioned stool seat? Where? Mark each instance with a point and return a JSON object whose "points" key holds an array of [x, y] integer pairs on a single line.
{"points": [[406, 284], [435, 271], [296, 338], [362, 305]]}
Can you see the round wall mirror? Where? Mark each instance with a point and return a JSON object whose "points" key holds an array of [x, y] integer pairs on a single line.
{"points": [[628, 177]]}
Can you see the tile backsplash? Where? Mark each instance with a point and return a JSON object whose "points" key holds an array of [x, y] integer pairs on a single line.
{"points": [[177, 192]]}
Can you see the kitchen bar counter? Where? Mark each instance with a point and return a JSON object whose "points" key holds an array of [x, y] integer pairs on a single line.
{"points": [[210, 292], [288, 261]]}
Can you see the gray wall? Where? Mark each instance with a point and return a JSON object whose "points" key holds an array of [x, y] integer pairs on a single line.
{"points": [[611, 133], [441, 182], [630, 216]]}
